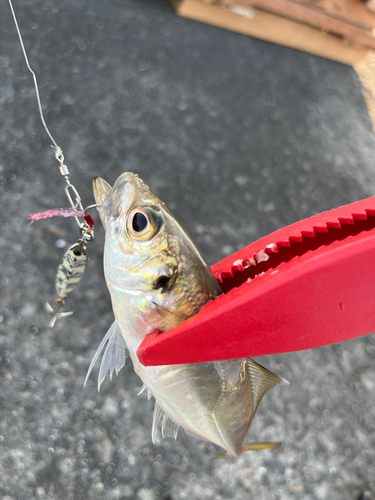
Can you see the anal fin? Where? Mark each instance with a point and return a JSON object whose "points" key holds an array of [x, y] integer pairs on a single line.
{"points": [[143, 389], [169, 428]]}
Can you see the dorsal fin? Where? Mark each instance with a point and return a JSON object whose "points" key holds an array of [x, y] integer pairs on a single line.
{"points": [[114, 354], [169, 428], [262, 380]]}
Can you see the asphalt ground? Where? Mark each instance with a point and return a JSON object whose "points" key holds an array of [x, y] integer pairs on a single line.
{"points": [[239, 137]]}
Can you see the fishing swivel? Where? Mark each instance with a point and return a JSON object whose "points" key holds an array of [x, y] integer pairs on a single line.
{"points": [[75, 203]]}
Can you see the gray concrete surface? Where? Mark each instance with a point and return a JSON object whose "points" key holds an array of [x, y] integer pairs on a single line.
{"points": [[239, 137]]}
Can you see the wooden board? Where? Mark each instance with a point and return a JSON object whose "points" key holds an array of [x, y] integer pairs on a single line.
{"points": [[366, 73], [273, 28], [348, 18]]}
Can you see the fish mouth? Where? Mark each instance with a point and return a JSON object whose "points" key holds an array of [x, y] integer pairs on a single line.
{"points": [[101, 189]]}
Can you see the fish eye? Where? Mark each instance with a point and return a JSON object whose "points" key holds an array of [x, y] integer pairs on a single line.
{"points": [[139, 222], [144, 223]]}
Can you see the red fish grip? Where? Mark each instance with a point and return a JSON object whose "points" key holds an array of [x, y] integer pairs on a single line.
{"points": [[303, 286], [297, 245]]}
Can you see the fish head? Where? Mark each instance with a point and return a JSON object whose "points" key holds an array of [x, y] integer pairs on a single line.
{"points": [[152, 267]]}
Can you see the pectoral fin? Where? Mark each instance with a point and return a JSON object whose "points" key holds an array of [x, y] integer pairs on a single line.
{"points": [[114, 354]]}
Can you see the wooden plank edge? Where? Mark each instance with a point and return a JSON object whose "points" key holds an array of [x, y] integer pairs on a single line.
{"points": [[273, 28], [366, 73], [312, 16]]}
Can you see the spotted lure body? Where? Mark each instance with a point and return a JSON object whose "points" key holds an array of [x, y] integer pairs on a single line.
{"points": [[71, 269], [69, 274], [157, 279]]}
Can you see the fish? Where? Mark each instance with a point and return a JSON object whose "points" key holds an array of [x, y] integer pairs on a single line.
{"points": [[157, 278]]}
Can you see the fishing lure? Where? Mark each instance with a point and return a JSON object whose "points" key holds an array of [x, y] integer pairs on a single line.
{"points": [[69, 274], [62, 212], [74, 262], [70, 271]]}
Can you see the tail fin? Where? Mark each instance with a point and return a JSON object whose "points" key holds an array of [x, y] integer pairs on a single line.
{"points": [[263, 445]]}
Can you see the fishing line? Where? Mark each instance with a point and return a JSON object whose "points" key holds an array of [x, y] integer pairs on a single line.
{"points": [[73, 264], [57, 148]]}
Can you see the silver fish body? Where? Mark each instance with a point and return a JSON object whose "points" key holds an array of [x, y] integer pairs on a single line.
{"points": [[157, 279]]}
